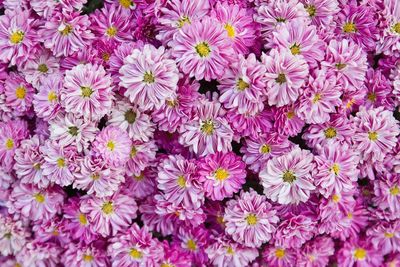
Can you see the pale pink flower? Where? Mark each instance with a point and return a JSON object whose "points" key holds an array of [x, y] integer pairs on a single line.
{"points": [[249, 124], [385, 236], [321, 12], [39, 254], [93, 255], [13, 235], [287, 121], [279, 257], [46, 102], [142, 154], [387, 193], [19, 93], [316, 252], [141, 185]]}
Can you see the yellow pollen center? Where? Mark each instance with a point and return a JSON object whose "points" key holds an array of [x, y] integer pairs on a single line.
{"points": [[17, 37], [167, 265], [140, 177], [316, 98], [133, 152], [171, 103], [396, 27], [335, 168], [389, 235], [43, 68], [61, 162], [340, 66], [208, 127], [251, 219], [221, 174], [106, 56], [111, 31], [242, 85], [373, 136], [87, 258], [67, 30], [360, 254], [9, 144], [350, 215], [265, 149], [349, 27], [130, 116], [107, 207], [73, 130], [350, 103], [82, 219], [288, 177], [394, 191], [311, 10], [230, 250], [280, 253], [52, 96], [136, 254], [95, 176], [311, 258], [335, 198], [7, 235], [86, 91], [295, 49], [290, 114], [181, 181], [220, 220], [230, 30], [55, 232], [371, 97], [148, 77], [182, 21], [111, 145], [37, 166], [17, 265], [20, 92], [281, 78], [330, 132], [203, 49], [39, 197], [191, 245], [279, 19]]}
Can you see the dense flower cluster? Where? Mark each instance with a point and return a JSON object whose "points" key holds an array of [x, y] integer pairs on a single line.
{"points": [[179, 133]]}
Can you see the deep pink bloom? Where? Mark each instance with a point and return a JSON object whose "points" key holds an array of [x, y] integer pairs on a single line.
{"points": [[175, 255], [46, 102], [379, 90], [19, 93], [279, 257], [143, 184], [50, 231], [142, 154], [85, 255], [359, 253], [321, 12], [389, 39], [248, 124], [316, 252], [387, 193], [287, 121], [40, 254], [385, 236], [194, 241]]}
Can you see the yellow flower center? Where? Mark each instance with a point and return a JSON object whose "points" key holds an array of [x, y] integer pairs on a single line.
{"points": [[208, 127], [133, 152], [335, 168], [126, 3], [288, 177], [371, 97], [290, 114], [7, 235], [230, 30], [265, 149], [311, 258], [182, 21], [107, 207], [148, 77], [330, 133], [73, 130], [373, 136], [87, 258], [389, 235], [167, 265], [86, 91], [281, 78], [181, 181], [350, 215], [394, 191], [17, 37], [95, 176], [340, 66], [279, 19], [9, 144], [203, 49], [61, 162], [335, 198], [360, 254], [396, 27], [221, 174], [316, 98], [106, 56], [43, 68], [295, 49], [130, 116], [67, 30], [111, 31], [242, 85], [140, 177], [55, 232], [37, 166], [191, 245], [136, 254], [251, 219], [20, 92], [349, 27], [171, 103], [220, 220], [39, 197], [230, 251], [311, 10], [82, 219], [17, 265], [279, 253], [52, 96], [111, 145]]}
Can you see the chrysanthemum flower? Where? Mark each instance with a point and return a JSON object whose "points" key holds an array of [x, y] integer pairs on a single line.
{"points": [[320, 98], [176, 14], [279, 257], [243, 87], [376, 131], [85, 255], [348, 62], [13, 235], [287, 122], [387, 193], [34, 203], [46, 102], [142, 154], [287, 179], [285, 74], [112, 145], [66, 32], [336, 169], [388, 42], [149, 76], [353, 222], [239, 25], [357, 22], [208, 132], [60, 162], [316, 252], [18, 92], [221, 174], [249, 124], [141, 185], [194, 241], [89, 55], [129, 118], [39, 254], [68, 129], [175, 255], [202, 49], [379, 90], [250, 219], [385, 236], [359, 253], [6, 180], [87, 91], [321, 12], [134, 247], [17, 36], [50, 231], [109, 214], [224, 252]]}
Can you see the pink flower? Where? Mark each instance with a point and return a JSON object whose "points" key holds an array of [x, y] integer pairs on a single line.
{"points": [[222, 175], [336, 169], [174, 255], [285, 74], [287, 179], [109, 215], [287, 121], [50, 231], [13, 234], [85, 255], [387, 193], [279, 257], [379, 90], [46, 101], [194, 241], [19, 94], [34, 203], [359, 253], [385, 236], [149, 76], [202, 49], [113, 146], [321, 12], [65, 33], [250, 219], [316, 252], [248, 124], [143, 184], [142, 154], [87, 91], [37, 254], [134, 247], [388, 42]]}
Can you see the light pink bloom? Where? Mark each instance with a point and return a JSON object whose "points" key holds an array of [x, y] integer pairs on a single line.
{"points": [[19, 93], [279, 257], [13, 235], [388, 42], [50, 231], [85, 255], [249, 124], [287, 179], [142, 155], [149, 76], [379, 90], [109, 215], [359, 253], [316, 252], [321, 12], [385, 236], [387, 193], [285, 74], [38, 254], [88, 91], [250, 219], [46, 102], [287, 120], [141, 185]]}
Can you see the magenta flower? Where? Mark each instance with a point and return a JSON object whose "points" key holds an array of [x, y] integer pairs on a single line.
{"points": [[142, 154], [388, 42], [194, 241], [359, 253], [321, 12], [248, 124], [285, 74], [387, 193], [18, 93], [40, 254], [379, 90], [46, 102], [202, 49], [287, 121], [175, 255], [13, 234], [222, 175], [142, 185], [85, 255], [385, 236], [50, 231], [287, 179], [316, 252], [279, 257], [250, 219]]}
